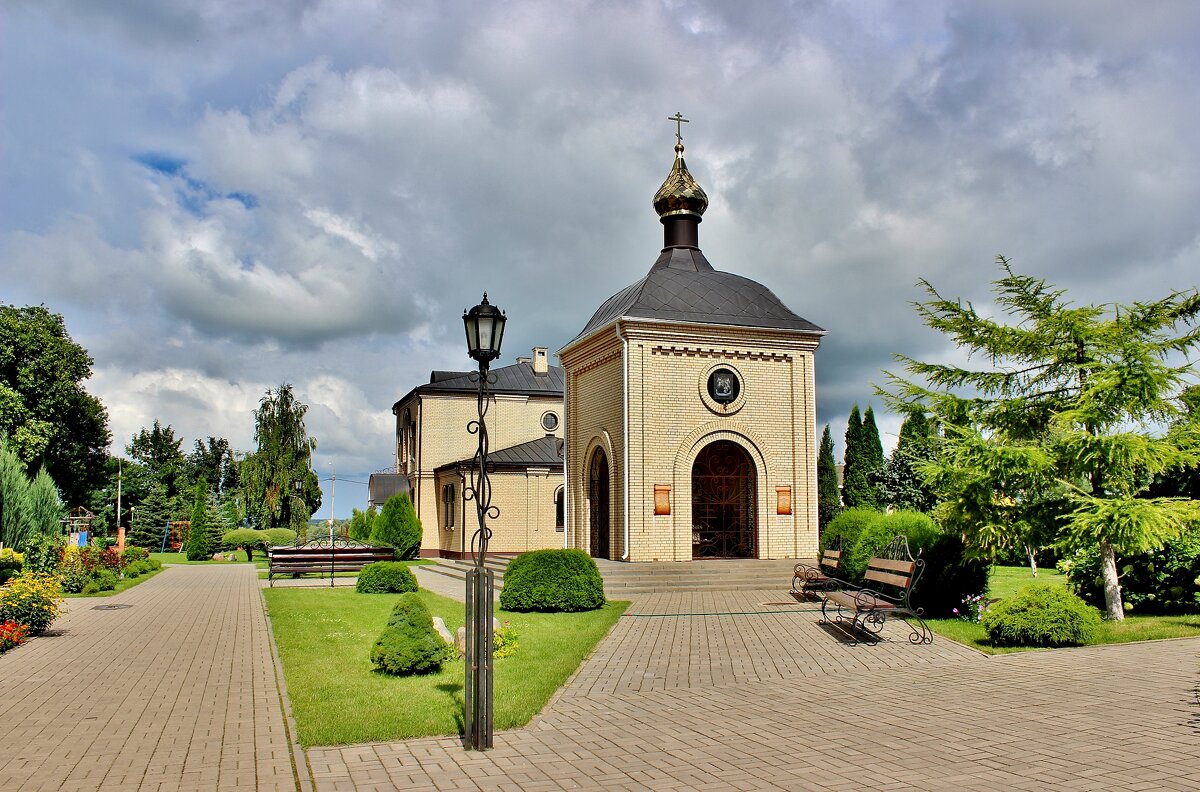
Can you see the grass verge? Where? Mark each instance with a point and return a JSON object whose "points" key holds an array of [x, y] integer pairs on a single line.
{"points": [[122, 585], [1005, 581], [325, 638]]}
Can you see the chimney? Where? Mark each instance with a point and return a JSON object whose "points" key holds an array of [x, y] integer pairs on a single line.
{"points": [[540, 362]]}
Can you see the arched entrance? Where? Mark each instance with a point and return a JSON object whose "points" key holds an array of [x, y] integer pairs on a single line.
{"points": [[598, 498], [723, 508]]}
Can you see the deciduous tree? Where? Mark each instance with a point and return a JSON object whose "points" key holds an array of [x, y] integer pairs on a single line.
{"points": [[1071, 402], [50, 420]]}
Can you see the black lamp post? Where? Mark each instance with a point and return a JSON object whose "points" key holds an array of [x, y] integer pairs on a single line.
{"points": [[485, 330]]}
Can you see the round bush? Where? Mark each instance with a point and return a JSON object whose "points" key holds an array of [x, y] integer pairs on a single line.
{"points": [[552, 581], [1041, 615], [244, 539], [279, 537], [409, 644], [385, 577], [105, 579], [842, 532]]}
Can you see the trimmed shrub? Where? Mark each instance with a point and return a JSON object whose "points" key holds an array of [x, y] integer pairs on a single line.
{"points": [[1166, 581], [105, 579], [31, 598], [279, 537], [138, 568], [397, 527], [133, 553], [385, 577], [1041, 615], [552, 581], [409, 644], [244, 539], [950, 576], [844, 529]]}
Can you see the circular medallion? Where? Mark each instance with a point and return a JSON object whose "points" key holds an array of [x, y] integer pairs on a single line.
{"points": [[724, 386]]}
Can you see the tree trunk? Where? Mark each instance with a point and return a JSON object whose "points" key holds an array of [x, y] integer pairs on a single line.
{"points": [[1032, 554], [1112, 588]]}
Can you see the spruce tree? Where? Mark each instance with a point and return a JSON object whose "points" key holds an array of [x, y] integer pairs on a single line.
{"points": [[899, 482], [828, 498], [198, 548], [398, 527], [1070, 405]]}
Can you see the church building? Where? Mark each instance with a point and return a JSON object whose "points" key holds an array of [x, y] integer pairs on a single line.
{"points": [[690, 411], [680, 426]]}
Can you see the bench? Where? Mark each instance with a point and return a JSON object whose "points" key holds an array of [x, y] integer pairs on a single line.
{"points": [[809, 578], [866, 609], [322, 557]]}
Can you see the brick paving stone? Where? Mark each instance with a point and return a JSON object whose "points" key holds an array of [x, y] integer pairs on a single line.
{"points": [[177, 691], [726, 690]]}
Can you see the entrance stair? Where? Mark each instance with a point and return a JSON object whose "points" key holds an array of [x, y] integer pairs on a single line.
{"points": [[735, 574], [622, 579]]}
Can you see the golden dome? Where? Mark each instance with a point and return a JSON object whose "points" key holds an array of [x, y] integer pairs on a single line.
{"points": [[680, 194]]}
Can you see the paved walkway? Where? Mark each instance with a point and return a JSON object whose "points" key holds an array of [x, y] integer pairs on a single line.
{"points": [[177, 691], [684, 698], [720, 691]]}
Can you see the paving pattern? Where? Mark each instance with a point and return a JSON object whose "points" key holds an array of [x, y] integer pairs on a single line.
{"points": [[177, 691], [740, 691]]}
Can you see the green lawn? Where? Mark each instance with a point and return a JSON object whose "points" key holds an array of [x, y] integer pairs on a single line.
{"points": [[181, 558], [122, 585], [325, 638], [1007, 580]]}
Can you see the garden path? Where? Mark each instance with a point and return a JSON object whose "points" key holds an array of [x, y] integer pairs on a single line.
{"points": [[720, 691], [178, 690]]}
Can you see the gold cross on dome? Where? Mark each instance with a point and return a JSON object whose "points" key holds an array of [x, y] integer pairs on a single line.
{"points": [[679, 122]]}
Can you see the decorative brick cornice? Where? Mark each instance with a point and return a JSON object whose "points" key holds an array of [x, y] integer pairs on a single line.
{"points": [[725, 354]]}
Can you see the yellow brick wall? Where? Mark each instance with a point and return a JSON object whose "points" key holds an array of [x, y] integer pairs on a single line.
{"points": [[442, 438], [527, 515], [670, 423]]}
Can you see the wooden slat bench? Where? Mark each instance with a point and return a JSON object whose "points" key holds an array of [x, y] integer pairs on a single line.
{"points": [[866, 609], [808, 578], [318, 557]]}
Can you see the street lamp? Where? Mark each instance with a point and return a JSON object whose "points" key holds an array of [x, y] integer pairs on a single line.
{"points": [[485, 330]]}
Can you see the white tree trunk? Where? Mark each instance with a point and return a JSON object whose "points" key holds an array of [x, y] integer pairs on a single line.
{"points": [[1032, 554], [1112, 587]]}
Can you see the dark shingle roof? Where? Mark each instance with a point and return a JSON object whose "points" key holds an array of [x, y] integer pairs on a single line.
{"points": [[682, 286], [517, 379], [382, 486], [545, 452]]}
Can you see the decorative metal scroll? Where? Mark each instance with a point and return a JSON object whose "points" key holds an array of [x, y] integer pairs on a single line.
{"points": [[866, 610], [479, 488], [325, 543]]}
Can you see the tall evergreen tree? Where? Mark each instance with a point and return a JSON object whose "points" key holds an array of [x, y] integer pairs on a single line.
{"points": [[198, 547], [46, 510], [151, 517], [398, 527], [829, 501], [16, 527], [1071, 402], [860, 461], [899, 483]]}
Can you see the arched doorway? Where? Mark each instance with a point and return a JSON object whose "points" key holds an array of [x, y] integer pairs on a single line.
{"points": [[598, 498], [723, 508]]}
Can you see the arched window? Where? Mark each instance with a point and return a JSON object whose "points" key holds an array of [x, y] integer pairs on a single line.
{"points": [[559, 523]]}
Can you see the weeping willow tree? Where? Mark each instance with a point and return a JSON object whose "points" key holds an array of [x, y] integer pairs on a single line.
{"points": [[1065, 421], [281, 490]]}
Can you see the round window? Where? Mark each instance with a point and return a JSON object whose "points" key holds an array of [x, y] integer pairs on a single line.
{"points": [[549, 422], [723, 386]]}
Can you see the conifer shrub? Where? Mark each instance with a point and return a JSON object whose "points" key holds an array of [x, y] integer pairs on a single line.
{"points": [[409, 644], [385, 577], [1041, 615], [552, 581], [398, 527]]}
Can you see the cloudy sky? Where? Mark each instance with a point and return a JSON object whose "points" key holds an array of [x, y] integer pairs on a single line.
{"points": [[223, 195]]}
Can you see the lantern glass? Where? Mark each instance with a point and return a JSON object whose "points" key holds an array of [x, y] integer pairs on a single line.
{"points": [[484, 326]]}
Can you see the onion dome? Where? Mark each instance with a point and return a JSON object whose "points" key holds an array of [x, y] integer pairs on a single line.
{"points": [[680, 194]]}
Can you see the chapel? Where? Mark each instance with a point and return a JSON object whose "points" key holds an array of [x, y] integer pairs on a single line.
{"points": [[690, 410]]}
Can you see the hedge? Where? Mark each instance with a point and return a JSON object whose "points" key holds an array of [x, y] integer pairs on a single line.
{"points": [[553, 581]]}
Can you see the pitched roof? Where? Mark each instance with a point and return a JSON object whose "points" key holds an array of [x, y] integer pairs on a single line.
{"points": [[683, 286], [382, 486], [518, 379], [545, 452]]}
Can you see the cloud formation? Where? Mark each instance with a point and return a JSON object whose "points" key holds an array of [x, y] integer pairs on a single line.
{"points": [[224, 196]]}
